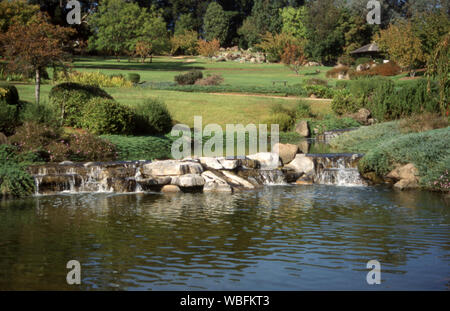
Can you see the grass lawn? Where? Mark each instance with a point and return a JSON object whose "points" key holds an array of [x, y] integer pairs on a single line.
{"points": [[164, 68], [214, 108]]}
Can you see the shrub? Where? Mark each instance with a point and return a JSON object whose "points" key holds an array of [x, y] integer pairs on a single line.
{"points": [[185, 43], [387, 70], [152, 117], [134, 77], [331, 122], [344, 102], [106, 116], [53, 146], [9, 118], [303, 110], [412, 98], [423, 122], [87, 147], [96, 79], [280, 109], [317, 81], [41, 113], [14, 180], [210, 80], [9, 94], [70, 99], [319, 91], [189, 78], [208, 49], [34, 137], [346, 60], [284, 120]]}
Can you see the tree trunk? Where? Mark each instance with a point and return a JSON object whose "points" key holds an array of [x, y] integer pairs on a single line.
{"points": [[37, 91]]}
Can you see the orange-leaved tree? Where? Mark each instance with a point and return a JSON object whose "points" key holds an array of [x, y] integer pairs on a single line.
{"points": [[35, 46], [293, 57], [208, 49], [402, 45]]}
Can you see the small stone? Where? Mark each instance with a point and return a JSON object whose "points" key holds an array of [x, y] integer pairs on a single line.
{"points": [[170, 189]]}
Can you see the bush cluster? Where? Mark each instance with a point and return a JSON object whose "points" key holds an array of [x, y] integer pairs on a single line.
{"points": [[51, 144], [94, 79], [188, 78], [319, 91], [106, 116], [134, 77], [210, 80], [10, 107], [152, 117], [70, 98], [14, 179], [384, 100]]}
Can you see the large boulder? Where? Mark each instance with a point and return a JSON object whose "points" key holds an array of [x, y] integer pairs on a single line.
{"points": [[301, 164], [362, 116], [229, 164], [266, 160], [236, 180], [171, 168], [211, 163], [188, 180], [406, 177], [408, 171], [214, 183], [286, 152], [302, 128]]}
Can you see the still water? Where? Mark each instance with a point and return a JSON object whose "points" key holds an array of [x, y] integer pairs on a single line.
{"points": [[278, 238]]}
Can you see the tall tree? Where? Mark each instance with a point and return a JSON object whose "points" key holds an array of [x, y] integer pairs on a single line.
{"points": [[400, 42], [439, 68], [215, 23], [294, 21], [118, 25], [35, 46]]}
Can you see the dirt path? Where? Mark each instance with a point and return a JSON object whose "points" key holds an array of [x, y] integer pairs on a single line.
{"points": [[274, 96]]}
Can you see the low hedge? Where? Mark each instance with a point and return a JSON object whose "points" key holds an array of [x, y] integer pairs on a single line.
{"points": [[106, 116]]}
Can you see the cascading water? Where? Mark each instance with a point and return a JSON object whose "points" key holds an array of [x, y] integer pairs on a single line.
{"points": [[337, 169], [88, 177]]}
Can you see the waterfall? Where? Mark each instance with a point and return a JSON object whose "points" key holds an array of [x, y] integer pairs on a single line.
{"points": [[337, 169]]}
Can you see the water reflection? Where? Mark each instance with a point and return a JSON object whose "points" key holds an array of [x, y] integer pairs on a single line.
{"points": [[281, 237]]}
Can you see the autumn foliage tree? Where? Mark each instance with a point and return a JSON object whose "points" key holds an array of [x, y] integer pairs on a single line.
{"points": [[208, 49], [34, 47], [143, 50], [402, 45], [293, 57]]}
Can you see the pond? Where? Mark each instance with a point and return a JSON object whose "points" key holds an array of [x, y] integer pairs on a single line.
{"points": [[288, 237]]}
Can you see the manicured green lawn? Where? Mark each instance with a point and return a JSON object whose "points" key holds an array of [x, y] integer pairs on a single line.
{"points": [[214, 108], [164, 68]]}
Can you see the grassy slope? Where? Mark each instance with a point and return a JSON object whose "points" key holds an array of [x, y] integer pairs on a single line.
{"points": [[386, 146]]}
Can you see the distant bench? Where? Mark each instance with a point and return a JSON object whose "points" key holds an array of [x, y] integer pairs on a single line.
{"points": [[284, 82]]}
